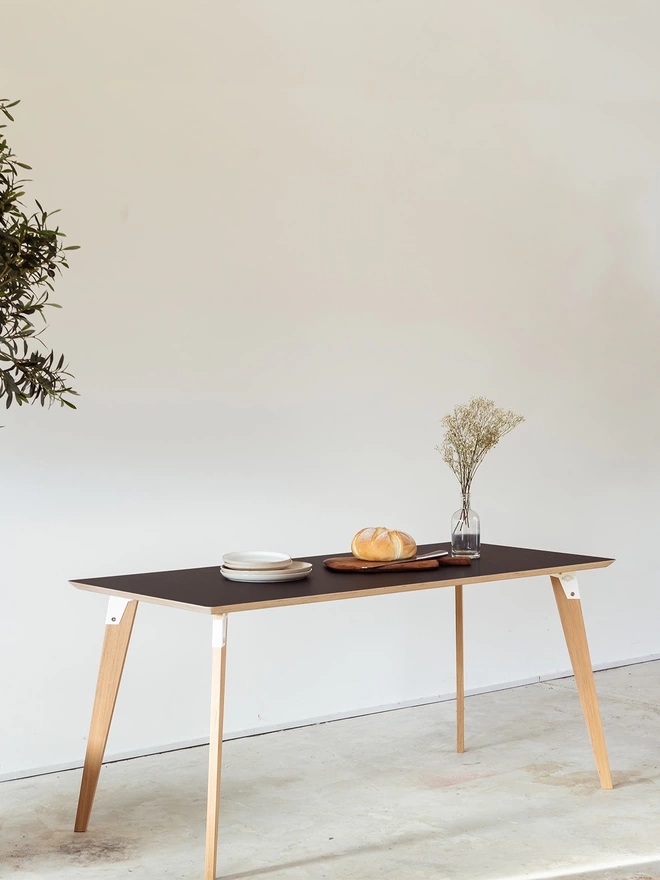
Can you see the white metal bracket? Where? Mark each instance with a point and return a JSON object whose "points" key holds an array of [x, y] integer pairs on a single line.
{"points": [[116, 607], [569, 584], [219, 635]]}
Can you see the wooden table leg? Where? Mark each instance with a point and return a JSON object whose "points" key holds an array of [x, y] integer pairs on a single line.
{"points": [[572, 621], [119, 625], [219, 642], [460, 675]]}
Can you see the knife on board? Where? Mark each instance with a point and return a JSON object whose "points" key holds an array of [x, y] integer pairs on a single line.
{"points": [[438, 554], [424, 561]]}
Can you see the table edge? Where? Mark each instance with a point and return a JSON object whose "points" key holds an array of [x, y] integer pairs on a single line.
{"points": [[334, 597]]}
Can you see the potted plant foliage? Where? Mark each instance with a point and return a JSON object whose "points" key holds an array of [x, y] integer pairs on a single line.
{"points": [[32, 254]]}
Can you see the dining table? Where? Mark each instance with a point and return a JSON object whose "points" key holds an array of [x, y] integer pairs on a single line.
{"points": [[207, 591]]}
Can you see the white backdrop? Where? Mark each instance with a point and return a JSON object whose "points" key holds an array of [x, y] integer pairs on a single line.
{"points": [[308, 230]]}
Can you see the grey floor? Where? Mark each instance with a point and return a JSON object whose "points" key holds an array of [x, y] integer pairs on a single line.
{"points": [[384, 796]]}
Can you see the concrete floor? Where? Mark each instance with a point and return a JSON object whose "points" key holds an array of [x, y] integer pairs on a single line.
{"points": [[383, 796]]}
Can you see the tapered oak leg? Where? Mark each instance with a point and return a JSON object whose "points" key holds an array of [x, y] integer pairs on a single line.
{"points": [[572, 621], [215, 746], [113, 655], [460, 675]]}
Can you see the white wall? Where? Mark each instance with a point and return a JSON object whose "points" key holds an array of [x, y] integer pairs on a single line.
{"points": [[294, 218]]}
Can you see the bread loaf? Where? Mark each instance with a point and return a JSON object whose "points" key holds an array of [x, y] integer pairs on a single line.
{"points": [[382, 545]]}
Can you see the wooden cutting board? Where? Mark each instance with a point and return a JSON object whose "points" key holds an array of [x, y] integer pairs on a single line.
{"points": [[350, 563]]}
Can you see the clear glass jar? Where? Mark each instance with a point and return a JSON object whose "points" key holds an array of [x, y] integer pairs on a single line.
{"points": [[466, 531]]}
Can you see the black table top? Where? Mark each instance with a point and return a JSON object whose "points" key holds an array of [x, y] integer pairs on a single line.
{"points": [[206, 590]]}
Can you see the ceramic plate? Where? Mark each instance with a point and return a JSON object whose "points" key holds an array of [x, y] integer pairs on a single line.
{"points": [[256, 560], [294, 572]]}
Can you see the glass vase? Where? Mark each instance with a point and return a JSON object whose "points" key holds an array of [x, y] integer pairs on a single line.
{"points": [[466, 531]]}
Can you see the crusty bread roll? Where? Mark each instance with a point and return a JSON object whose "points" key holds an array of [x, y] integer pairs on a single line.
{"points": [[382, 545]]}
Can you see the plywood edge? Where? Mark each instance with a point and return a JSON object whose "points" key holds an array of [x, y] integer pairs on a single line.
{"points": [[409, 588], [354, 594], [153, 599]]}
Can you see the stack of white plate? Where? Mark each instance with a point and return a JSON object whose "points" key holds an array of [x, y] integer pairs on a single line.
{"points": [[262, 566]]}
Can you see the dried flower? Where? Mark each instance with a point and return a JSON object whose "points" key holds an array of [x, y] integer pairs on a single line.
{"points": [[470, 432]]}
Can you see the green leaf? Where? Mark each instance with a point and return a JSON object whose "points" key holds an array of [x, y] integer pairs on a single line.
{"points": [[32, 256]]}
